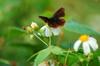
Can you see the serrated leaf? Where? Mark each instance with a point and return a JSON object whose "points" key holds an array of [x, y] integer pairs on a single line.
{"points": [[57, 51], [78, 28], [43, 54]]}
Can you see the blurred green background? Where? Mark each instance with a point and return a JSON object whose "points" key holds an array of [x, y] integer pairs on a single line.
{"points": [[16, 47]]}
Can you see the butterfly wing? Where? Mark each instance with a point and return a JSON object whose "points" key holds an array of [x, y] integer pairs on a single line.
{"points": [[61, 22], [60, 13], [55, 21], [45, 19]]}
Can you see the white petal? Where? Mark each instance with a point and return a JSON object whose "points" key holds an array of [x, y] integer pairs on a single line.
{"points": [[76, 45], [56, 31], [51, 63], [43, 28], [47, 31], [93, 43], [91, 38], [86, 48]]}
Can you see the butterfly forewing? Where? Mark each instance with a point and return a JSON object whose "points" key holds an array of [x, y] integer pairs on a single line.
{"points": [[44, 18], [60, 13]]}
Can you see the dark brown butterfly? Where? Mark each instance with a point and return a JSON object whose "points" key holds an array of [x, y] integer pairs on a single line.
{"points": [[56, 20]]}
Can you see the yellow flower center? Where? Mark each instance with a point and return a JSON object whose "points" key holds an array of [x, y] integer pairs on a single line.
{"points": [[84, 38]]}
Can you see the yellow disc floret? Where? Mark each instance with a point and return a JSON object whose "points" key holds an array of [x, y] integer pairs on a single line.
{"points": [[84, 38]]}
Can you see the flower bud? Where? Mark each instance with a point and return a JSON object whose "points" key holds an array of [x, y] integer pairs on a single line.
{"points": [[34, 25], [29, 29]]}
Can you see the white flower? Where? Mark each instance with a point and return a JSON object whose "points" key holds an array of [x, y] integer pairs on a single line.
{"points": [[43, 64], [48, 31], [52, 63], [87, 43], [56, 31], [34, 25]]}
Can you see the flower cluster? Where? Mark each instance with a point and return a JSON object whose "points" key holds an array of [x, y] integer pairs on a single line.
{"points": [[45, 31], [31, 27], [87, 42]]}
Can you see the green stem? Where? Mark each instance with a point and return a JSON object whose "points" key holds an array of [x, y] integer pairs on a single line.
{"points": [[32, 56], [66, 57], [40, 39], [49, 41], [87, 64]]}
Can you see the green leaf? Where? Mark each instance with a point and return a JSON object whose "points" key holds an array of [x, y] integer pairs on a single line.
{"points": [[16, 29], [94, 62], [43, 54], [72, 60], [78, 28], [97, 53], [4, 61], [57, 51], [61, 59], [14, 32]]}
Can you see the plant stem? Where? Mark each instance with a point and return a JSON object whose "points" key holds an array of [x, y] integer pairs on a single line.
{"points": [[49, 41], [66, 57], [40, 39], [32, 56], [87, 64]]}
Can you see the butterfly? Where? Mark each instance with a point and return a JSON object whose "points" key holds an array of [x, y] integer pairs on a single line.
{"points": [[56, 20]]}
